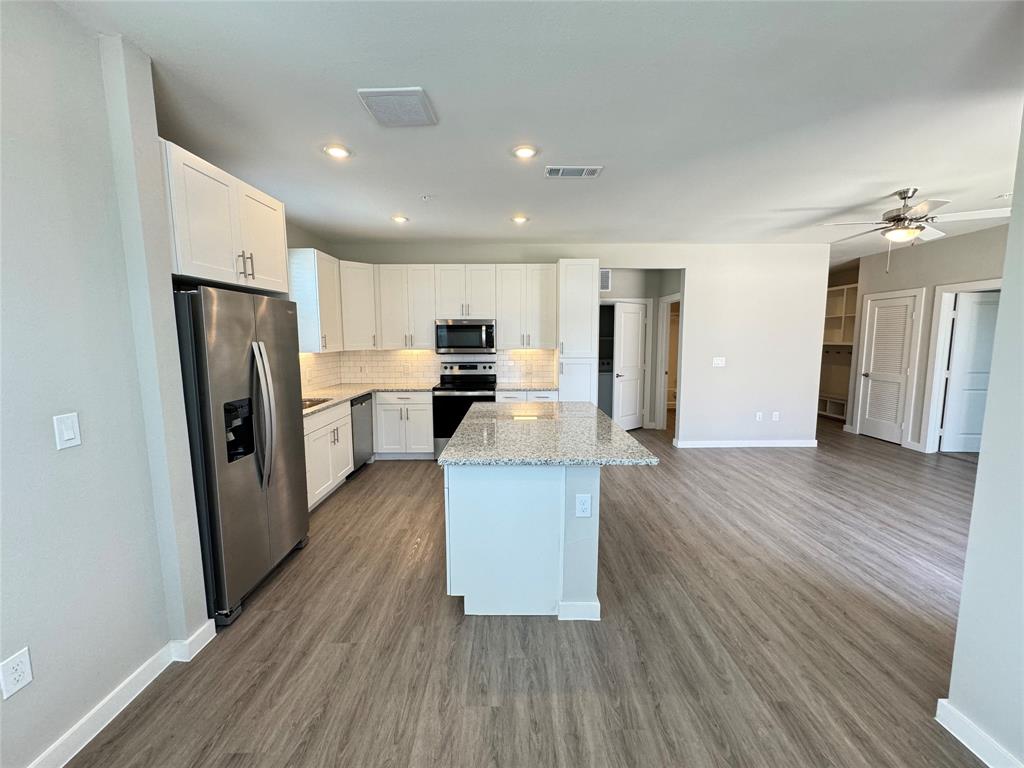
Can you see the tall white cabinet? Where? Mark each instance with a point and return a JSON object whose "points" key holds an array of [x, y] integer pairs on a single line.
{"points": [[578, 313], [405, 306], [526, 306], [224, 230], [464, 290], [315, 282], [358, 305]]}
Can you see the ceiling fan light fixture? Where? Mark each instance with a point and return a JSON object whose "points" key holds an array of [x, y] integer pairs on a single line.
{"points": [[903, 234]]}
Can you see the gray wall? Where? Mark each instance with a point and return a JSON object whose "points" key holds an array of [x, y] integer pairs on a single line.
{"points": [[987, 681], [82, 579], [975, 256], [301, 237]]}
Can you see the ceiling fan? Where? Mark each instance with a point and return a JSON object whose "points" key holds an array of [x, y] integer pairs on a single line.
{"points": [[912, 221]]}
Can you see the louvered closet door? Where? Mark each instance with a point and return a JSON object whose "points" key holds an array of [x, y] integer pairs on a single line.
{"points": [[885, 371]]}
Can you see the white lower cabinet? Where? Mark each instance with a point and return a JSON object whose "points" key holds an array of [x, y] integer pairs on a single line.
{"points": [[328, 442], [577, 380], [510, 397], [403, 422], [531, 396]]}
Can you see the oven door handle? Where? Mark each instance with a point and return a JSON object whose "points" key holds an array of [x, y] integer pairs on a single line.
{"points": [[465, 394]]}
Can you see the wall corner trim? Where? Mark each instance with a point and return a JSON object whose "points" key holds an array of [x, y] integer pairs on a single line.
{"points": [[110, 706], [589, 611], [745, 443], [987, 749]]}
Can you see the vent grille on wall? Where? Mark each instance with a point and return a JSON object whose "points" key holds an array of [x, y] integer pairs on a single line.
{"points": [[398, 107], [606, 279], [573, 171]]}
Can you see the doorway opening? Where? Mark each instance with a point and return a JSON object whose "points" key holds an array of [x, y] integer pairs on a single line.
{"points": [[669, 318]]}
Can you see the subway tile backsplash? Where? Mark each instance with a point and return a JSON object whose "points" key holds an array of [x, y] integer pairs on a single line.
{"points": [[518, 367]]}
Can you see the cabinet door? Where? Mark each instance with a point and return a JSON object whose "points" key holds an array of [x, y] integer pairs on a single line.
{"points": [[204, 218], [319, 477], [389, 423], [420, 289], [328, 291], [263, 239], [577, 380], [578, 307], [541, 305], [419, 429], [480, 291], [449, 291], [341, 449], [358, 305], [393, 306], [509, 328]]}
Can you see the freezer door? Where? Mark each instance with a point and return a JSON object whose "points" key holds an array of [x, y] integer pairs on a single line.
{"points": [[224, 324], [278, 337]]}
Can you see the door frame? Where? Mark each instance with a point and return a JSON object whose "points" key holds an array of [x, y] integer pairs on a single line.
{"points": [[938, 349], [660, 385], [915, 343], [648, 352]]}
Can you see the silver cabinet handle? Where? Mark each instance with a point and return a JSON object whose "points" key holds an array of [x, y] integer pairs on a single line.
{"points": [[373, 338], [406, 414], [403, 398], [467, 309], [323, 341], [522, 339], [528, 340], [561, 347], [561, 367], [241, 256], [252, 266], [400, 417]]}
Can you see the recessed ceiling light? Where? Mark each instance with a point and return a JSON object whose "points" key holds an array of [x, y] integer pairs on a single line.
{"points": [[400, 219], [337, 151], [525, 152], [520, 219]]}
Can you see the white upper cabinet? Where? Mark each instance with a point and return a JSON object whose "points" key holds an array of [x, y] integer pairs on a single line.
{"points": [[541, 306], [578, 307], [315, 287], [224, 229], [405, 304], [464, 290], [526, 306], [358, 305]]}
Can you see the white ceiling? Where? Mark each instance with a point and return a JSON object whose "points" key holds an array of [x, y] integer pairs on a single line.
{"points": [[716, 122]]}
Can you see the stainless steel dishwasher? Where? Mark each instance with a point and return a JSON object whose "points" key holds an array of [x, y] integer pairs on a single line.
{"points": [[362, 430]]}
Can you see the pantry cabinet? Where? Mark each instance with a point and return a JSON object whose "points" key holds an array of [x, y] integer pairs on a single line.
{"points": [[315, 287], [405, 306], [464, 290], [224, 230]]}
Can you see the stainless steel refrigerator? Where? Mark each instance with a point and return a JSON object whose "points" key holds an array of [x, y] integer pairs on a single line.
{"points": [[240, 367]]}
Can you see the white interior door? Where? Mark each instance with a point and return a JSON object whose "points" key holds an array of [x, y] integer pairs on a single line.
{"points": [[628, 365], [885, 367], [970, 362]]}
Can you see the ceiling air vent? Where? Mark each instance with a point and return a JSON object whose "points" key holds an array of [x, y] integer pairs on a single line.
{"points": [[606, 279], [573, 171], [398, 107]]}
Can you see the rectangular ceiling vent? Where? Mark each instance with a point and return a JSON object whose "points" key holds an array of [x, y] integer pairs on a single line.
{"points": [[573, 171], [398, 107], [606, 280]]}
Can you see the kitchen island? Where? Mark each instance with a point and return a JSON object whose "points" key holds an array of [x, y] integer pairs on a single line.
{"points": [[522, 484]]}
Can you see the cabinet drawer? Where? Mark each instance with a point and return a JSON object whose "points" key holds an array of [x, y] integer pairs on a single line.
{"points": [[323, 418], [510, 397], [403, 398], [543, 396]]}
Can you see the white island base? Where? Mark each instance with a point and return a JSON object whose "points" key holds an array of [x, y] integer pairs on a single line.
{"points": [[514, 543]]}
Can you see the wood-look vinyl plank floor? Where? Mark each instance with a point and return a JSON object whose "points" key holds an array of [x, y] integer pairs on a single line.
{"points": [[775, 607]]}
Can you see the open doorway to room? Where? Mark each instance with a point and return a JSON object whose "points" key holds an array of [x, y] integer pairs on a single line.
{"points": [[669, 318]]}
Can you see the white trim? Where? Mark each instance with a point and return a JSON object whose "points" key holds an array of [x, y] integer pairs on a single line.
{"points": [[745, 443], [987, 749], [579, 611], [919, 295], [851, 428], [648, 348], [942, 317], [110, 706], [660, 385]]}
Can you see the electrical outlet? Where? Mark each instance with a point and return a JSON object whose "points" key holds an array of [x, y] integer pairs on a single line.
{"points": [[776, 415], [718, 362], [759, 416], [15, 673], [582, 505]]}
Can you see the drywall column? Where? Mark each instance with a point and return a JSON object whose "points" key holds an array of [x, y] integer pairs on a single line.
{"points": [[145, 230], [985, 708]]}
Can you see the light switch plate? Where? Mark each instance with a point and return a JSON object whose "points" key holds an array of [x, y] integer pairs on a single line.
{"points": [[718, 362], [66, 431], [582, 505]]}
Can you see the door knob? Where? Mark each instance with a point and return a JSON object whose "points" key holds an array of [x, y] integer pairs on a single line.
{"points": [[865, 374], [618, 375]]}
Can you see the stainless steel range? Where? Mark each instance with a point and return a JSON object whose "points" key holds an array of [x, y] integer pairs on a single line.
{"points": [[463, 382]]}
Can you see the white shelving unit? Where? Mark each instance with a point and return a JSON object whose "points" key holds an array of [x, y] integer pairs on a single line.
{"points": [[840, 314], [837, 350]]}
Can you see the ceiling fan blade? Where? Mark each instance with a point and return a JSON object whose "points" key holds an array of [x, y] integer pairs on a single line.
{"points": [[867, 232], [850, 223], [930, 233], [988, 213], [925, 207]]}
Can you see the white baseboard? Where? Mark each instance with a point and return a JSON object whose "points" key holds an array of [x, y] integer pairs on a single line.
{"points": [[851, 430], [85, 730], [590, 611], [988, 750], [745, 443]]}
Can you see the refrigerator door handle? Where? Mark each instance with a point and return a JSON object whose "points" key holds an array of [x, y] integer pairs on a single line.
{"points": [[268, 451], [272, 443]]}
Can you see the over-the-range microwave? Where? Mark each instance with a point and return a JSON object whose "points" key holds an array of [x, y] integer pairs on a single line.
{"points": [[464, 337]]}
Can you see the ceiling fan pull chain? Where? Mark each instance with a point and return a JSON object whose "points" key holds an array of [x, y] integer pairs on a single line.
{"points": [[888, 257]]}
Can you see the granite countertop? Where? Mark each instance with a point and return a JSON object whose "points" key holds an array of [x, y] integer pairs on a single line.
{"points": [[551, 387], [342, 393], [542, 434]]}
